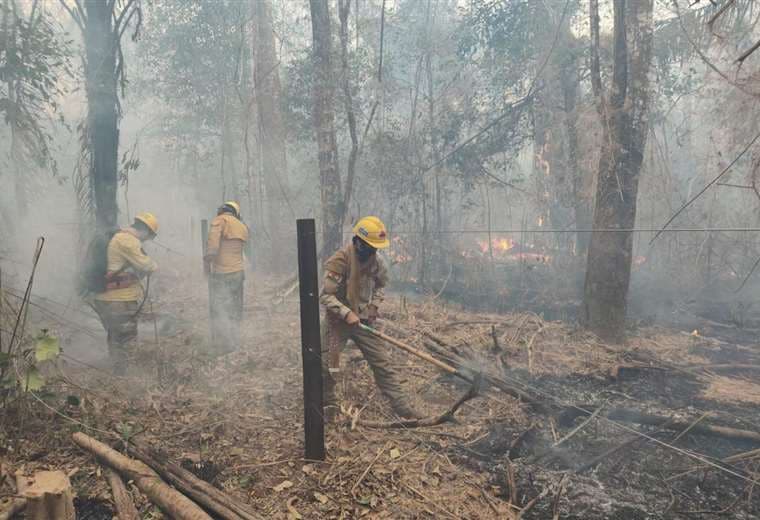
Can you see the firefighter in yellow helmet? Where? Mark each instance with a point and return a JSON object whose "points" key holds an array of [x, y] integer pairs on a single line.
{"points": [[119, 304], [225, 263], [353, 289]]}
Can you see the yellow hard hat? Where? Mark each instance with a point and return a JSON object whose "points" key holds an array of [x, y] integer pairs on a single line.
{"points": [[372, 231], [234, 205], [149, 219]]}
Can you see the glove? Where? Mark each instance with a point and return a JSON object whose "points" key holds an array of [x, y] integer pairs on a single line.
{"points": [[352, 319], [208, 261]]}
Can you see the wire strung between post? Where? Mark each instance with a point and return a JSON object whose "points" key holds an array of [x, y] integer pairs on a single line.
{"points": [[542, 230]]}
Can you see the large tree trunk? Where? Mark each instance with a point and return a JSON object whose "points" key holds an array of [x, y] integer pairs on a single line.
{"points": [[103, 112], [272, 129], [555, 146], [324, 120], [624, 121]]}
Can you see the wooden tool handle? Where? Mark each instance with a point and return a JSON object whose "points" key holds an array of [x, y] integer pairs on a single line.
{"points": [[415, 352]]}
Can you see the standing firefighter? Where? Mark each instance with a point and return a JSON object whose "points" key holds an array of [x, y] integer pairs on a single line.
{"points": [[119, 303], [226, 267], [352, 291]]}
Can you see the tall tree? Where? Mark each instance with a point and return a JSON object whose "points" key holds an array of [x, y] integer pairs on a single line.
{"points": [[33, 58], [624, 114], [271, 128], [324, 120], [103, 24]]}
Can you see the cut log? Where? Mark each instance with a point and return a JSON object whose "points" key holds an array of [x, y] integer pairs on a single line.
{"points": [[171, 501], [48, 496], [212, 499], [125, 507]]}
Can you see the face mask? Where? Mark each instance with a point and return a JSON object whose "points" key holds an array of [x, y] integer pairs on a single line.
{"points": [[363, 251]]}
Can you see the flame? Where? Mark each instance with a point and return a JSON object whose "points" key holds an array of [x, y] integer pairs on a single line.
{"points": [[540, 221], [499, 245]]}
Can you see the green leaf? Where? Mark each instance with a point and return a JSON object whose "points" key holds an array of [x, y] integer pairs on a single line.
{"points": [[33, 380], [47, 347]]}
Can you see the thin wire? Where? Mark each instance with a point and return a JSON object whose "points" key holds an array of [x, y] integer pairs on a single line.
{"points": [[707, 186], [542, 230]]}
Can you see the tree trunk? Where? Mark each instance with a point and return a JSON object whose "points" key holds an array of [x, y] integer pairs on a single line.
{"points": [[570, 84], [103, 113], [624, 121], [344, 9], [324, 121], [267, 94]]}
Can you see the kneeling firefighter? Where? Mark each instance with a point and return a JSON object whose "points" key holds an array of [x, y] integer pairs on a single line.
{"points": [[353, 288], [225, 264], [120, 301]]}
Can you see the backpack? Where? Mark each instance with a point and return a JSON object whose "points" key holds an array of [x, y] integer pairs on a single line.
{"points": [[92, 273]]}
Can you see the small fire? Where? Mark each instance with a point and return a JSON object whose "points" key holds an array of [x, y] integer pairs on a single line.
{"points": [[540, 221], [639, 260], [500, 245], [399, 251]]}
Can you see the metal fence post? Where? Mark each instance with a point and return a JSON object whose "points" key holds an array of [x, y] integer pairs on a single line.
{"points": [[311, 344]]}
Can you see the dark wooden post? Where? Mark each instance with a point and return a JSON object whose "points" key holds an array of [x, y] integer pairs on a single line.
{"points": [[311, 344]]}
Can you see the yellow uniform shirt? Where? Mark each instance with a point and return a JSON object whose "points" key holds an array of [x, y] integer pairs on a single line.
{"points": [[226, 240], [125, 254]]}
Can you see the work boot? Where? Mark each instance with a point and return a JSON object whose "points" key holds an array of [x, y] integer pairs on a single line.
{"points": [[405, 410]]}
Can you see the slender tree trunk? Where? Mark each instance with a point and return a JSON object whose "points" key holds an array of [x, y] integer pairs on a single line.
{"points": [[324, 120], [273, 136], [625, 123], [344, 9], [103, 112]]}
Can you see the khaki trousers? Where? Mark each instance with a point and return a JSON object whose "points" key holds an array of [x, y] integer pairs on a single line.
{"points": [[226, 310], [120, 321], [337, 333]]}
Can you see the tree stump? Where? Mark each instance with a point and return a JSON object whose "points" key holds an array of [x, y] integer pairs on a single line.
{"points": [[48, 496]]}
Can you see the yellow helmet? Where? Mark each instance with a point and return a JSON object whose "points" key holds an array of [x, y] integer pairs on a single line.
{"points": [[149, 219], [234, 205], [372, 231]]}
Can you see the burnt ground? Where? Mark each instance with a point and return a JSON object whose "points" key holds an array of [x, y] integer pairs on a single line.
{"points": [[240, 417]]}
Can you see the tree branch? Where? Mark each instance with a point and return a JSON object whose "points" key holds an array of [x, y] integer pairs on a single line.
{"points": [[74, 15], [620, 62], [124, 12], [719, 13], [596, 75]]}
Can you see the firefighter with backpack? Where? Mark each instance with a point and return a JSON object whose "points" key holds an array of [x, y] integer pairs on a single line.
{"points": [[119, 300]]}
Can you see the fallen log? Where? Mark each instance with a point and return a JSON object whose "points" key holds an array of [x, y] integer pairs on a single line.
{"points": [[212, 499], [125, 507], [171, 501], [634, 416]]}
